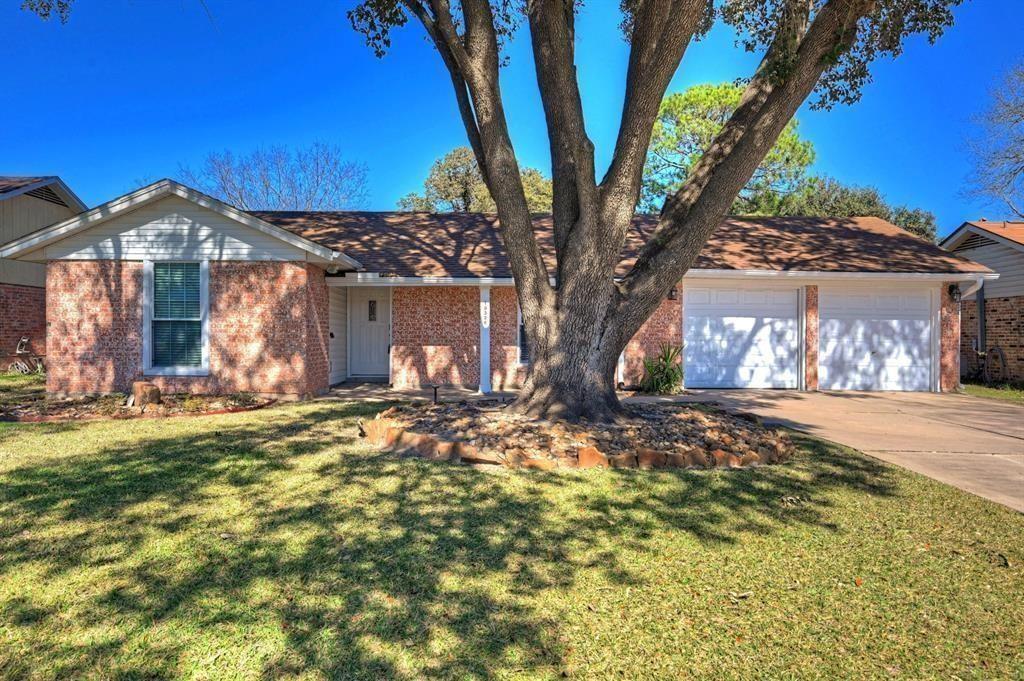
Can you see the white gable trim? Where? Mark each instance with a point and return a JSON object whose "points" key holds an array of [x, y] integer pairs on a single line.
{"points": [[966, 229], [61, 189], [155, 192]]}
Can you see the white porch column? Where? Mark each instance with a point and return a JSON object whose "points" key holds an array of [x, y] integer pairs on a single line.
{"points": [[485, 339]]}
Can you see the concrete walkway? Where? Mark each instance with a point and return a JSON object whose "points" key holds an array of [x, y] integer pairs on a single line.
{"points": [[973, 443]]}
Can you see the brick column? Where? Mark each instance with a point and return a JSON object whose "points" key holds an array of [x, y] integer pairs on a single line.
{"points": [[811, 337], [484, 352]]}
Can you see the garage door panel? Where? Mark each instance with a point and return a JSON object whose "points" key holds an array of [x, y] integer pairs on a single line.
{"points": [[877, 340], [885, 378], [860, 353], [741, 337], [875, 330]]}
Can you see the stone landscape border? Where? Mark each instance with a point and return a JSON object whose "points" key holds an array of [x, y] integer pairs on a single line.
{"points": [[392, 435]]}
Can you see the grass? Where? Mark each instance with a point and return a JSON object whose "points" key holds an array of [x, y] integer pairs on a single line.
{"points": [[275, 544], [18, 389], [1009, 392]]}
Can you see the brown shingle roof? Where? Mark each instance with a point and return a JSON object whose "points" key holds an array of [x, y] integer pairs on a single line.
{"points": [[1014, 231], [467, 244]]}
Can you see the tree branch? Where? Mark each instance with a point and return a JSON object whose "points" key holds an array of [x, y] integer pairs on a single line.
{"points": [[691, 215], [552, 30], [472, 61], [662, 30]]}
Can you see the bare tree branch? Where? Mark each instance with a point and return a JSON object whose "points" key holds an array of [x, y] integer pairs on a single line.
{"points": [[313, 178]]}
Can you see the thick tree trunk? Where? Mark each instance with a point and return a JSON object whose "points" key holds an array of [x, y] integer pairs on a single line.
{"points": [[573, 380]]}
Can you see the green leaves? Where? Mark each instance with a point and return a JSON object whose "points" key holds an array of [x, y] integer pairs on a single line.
{"points": [[456, 185], [663, 373], [688, 123]]}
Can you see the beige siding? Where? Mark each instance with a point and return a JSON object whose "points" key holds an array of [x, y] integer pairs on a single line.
{"points": [[338, 326], [19, 216], [1007, 261], [172, 228]]}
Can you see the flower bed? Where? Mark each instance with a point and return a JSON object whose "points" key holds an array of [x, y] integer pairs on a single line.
{"points": [[650, 436], [115, 406]]}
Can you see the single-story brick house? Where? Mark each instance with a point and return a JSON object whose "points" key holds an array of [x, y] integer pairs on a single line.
{"points": [[169, 284], [998, 320], [26, 204]]}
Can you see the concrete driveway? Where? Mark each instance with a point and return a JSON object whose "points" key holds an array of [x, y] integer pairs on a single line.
{"points": [[972, 443]]}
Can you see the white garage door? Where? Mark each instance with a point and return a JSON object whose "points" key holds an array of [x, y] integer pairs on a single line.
{"points": [[741, 338], [875, 340]]}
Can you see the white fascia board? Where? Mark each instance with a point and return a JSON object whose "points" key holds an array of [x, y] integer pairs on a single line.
{"points": [[951, 241], [375, 279], [154, 192], [908, 277]]}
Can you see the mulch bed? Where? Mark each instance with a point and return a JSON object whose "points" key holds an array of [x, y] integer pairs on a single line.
{"points": [[649, 436], [115, 406]]}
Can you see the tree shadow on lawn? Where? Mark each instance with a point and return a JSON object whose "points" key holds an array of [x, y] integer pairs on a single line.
{"points": [[359, 560]]}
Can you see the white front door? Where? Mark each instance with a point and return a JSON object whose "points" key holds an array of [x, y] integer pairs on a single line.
{"points": [[874, 339], [337, 310], [741, 337], [369, 312]]}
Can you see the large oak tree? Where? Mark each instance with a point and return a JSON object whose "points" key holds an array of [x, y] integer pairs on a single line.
{"points": [[579, 316]]}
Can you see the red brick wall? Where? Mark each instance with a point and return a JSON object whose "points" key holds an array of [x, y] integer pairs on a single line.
{"points": [[267, 328], [949, 342], [435, 335], [665, 327], [811, 337], [22, 313], [1004, 321]]}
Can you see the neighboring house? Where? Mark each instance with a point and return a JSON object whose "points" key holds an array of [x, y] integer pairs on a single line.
{"points": [[169, 284], [26, 204], [1000, 246]]}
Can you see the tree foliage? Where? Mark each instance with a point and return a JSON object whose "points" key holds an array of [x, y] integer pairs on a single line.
{"points": [[456, 185], [49, 8], [999, 149], [317, 177], [688, 123], [827, 197]]}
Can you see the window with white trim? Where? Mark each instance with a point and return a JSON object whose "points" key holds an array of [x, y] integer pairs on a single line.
{"points": [[524, 348], [177, 301]]}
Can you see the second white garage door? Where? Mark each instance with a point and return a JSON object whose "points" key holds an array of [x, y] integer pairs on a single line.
{"points": [[741, 338], [875, 340]]}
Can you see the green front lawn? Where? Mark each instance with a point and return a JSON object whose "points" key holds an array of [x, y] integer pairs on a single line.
{"points": [[1008, 392], [275, 544]]}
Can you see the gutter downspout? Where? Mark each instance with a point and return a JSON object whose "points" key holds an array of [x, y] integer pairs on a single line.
{"points": [[979, 301]]}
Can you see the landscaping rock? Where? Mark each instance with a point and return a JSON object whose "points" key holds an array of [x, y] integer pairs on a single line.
{"points": [[648, 436], [591, 457], [622, 461], [540, 464], [647, 458], [144, 392]]}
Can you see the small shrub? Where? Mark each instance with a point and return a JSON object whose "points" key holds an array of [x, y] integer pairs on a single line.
{"points": [[242, 399], [663, 373], [194, 403]]}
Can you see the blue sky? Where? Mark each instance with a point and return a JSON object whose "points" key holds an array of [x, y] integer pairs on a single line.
{"points": [[129, 90]]}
